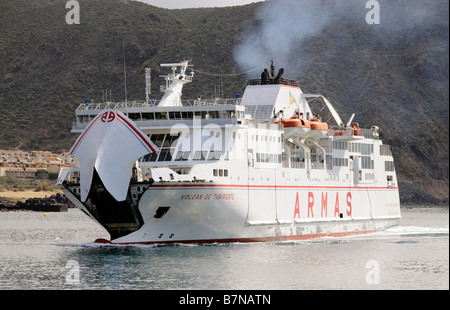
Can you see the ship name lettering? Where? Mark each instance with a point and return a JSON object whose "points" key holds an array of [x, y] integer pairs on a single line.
{"points": [[224, 196], [349, 204], [207, 196], [323, 205], [191, 197]]}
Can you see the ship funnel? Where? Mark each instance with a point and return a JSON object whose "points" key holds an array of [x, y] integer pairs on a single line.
{"points": [[279, 75]]}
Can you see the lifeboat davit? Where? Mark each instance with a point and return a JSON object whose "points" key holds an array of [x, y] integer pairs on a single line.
{"points": [[296, 127], [319, 129]]}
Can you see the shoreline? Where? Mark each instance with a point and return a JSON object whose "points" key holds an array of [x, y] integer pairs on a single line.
{"points": [[30, 200], [26, 194]]}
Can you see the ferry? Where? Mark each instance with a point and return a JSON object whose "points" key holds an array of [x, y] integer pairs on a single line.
{"points": [[275, 164]]}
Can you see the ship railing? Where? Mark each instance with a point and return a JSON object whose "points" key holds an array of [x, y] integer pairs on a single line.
{"points": [[366, 133], [110, 105], [272, 81], [153, 103], [317, 165], [217, 101]]}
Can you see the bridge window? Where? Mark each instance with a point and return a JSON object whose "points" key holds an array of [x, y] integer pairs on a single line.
{"points": [[148, 116], [389, 166], [366, 162], [385, 150]]}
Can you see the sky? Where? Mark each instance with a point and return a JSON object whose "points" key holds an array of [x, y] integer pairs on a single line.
{"points": [[184, 4]]}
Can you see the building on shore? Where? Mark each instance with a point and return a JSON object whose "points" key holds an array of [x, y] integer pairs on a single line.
{"points": [[18, 163]]}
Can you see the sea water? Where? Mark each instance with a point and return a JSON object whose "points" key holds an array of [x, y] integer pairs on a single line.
{"points": [[56, 252]]}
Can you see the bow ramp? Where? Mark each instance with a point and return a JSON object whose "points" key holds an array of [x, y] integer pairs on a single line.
{"points": [[104, 185], [111, 144]]}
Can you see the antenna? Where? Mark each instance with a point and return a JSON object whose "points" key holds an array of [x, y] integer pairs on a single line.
{"points": [[124, 70], [221, 83], [148, 84]]}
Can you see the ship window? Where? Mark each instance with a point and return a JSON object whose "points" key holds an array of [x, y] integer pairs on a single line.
{"points": [[182, 155], [175, 115], [214, 155], [134, 116], [366, 162], [329, 162], [165, 155], [148, 116], [169, 140], [340, 162], [389, 166], [157, 139], [225, 172], [385, 150], [214, 114], [366, 149], [150, 157], [200, 155], [220, 172], [161, 115], [215, 172], [187, 115]]}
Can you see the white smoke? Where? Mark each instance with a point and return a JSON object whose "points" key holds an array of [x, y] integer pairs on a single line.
{"points": [[283, 26]]}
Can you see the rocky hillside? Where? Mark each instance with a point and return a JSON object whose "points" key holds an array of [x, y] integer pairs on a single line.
{"points": [[394, 75]]}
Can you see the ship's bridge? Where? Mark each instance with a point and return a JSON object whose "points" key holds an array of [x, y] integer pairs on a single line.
{"points": [[151, 116]]}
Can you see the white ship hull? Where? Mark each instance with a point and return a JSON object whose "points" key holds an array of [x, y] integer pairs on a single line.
{"points": [[206, 213], [221, 213], [237, 181]]}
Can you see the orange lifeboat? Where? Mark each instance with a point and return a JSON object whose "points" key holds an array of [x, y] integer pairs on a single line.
{"points": [[319, 129], [318, 125], [295, 122], [296, 127]]}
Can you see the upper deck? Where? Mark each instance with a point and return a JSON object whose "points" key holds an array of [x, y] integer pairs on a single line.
{"points": [[149, 115]]}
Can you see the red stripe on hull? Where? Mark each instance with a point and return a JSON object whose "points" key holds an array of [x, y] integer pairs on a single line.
{"points": [[245, 240], [270, 186]]}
